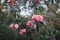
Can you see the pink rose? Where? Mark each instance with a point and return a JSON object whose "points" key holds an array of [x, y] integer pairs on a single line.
{"points": [[37, 18], [11, 2], [22, 31], [34, 18], [29, 24], [14, 26]]}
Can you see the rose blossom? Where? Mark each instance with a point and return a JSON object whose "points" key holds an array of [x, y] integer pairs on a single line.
{"points": [[22, 31], [37, 18], [29, 24], [14, 26]]}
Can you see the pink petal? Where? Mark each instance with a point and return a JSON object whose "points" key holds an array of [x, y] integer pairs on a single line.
{"points": [[16, 25]]}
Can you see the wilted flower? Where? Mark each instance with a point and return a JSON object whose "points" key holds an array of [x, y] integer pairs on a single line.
{"points": [[36, 1]]}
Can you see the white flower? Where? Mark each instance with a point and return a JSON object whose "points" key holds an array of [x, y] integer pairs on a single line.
{"points": [[4, 10], [22, 13], [43, 5], [58, 10], [41, 2], [21, 7], [27, 4], [26, 12], [2, 1]]}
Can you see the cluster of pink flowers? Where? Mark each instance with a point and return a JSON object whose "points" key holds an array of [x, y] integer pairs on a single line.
{"points": [[29, 24], [37, 18], [14, 26]]}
